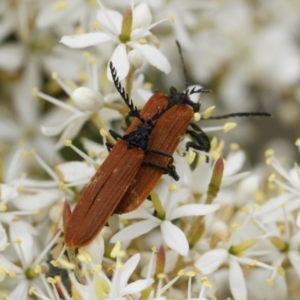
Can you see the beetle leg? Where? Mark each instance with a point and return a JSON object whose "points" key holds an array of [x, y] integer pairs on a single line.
{"points": [[196, 127], [115, 135], [201, 143], [170, 169], [109, 146], [162, 153]]}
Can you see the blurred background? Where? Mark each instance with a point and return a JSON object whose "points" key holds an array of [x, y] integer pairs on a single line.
{"points": [[246, 52]]}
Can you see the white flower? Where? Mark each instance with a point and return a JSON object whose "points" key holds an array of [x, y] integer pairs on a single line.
{"points": [[117, 287], [172, 235], [89, 102], [27, 255], [131, 31], [290, 183], [212, 260]]}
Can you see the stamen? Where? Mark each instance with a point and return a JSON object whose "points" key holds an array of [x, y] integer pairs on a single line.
{"points": [[190, 274], [89, 160], [60, 5], [43, 254], [141, 33], [197, 117], [116, 249], [18, 242], [143, 41], [208, 112], [44, 165], [234, 146], [172, 188], [160, 277], [286, 187], [170, 283], [104, 134], [191, 158], [151, 263], [62, 84], [56, 101], [229, 126]]}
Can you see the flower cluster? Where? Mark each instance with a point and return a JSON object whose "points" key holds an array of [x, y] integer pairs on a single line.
{"points": [[226, 229]]}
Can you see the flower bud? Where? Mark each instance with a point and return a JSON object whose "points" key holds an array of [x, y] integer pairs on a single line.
{"points": [[66, 213], [135, 59], [87, 100]]}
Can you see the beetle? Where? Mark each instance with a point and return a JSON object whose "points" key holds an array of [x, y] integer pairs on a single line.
{"points": [[166, 135], [100, 197]]}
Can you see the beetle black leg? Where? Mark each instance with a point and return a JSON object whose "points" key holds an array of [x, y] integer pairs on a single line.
{"points": [[162, 153], [115, 135], [170, 169], [196, 127], [109, 146], [201, 143]]}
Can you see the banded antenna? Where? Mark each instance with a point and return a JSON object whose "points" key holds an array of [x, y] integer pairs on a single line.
{"points": [[240, 114], [129, 101]]}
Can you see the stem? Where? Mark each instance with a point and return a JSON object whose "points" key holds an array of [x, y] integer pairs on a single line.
{"points": [[77, 271], [129, 80], [196, 231]]}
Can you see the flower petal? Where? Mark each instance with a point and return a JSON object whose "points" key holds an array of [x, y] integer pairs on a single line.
{"points": [[120, 62], [153, 56], [96, 249], [137, 286], [20, 291], [193, 210], [22, 231], [56, 129], [3, 237], [134, 230], [234, 162], [210, 261], [229, 180], [11, 56], [5, 262], [295, 260], [48, 16], [85, 40], [139, 213], [74, 171], [237, 280], [8, 192], [129, 268], [110, 21], [298, 220], [37, 199], [71, 130], [174, 238], [201, 175]]}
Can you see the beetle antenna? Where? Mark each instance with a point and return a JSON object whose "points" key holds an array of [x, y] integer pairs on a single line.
{"points": [[240, 114], [122, 92], [159, 113], [201, 90], [193, 91], [183, 64]]}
